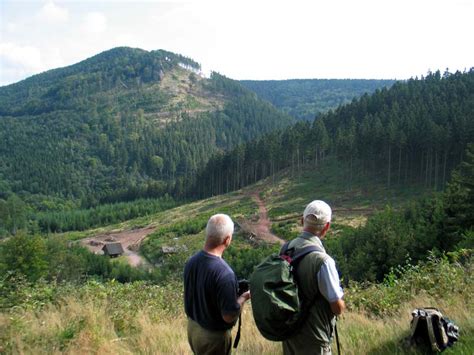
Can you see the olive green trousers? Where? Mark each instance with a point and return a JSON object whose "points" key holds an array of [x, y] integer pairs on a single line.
{"points": [[293, 347], [208, 342]]}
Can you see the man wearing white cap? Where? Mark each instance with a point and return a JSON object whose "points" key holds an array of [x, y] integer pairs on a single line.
{"points": [[318, 282]]}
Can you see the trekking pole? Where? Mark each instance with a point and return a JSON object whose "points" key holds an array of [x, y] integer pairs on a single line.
{"points": [[337, 339]]}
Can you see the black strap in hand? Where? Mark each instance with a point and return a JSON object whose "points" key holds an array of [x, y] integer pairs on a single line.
{"points": [[237, 337]]}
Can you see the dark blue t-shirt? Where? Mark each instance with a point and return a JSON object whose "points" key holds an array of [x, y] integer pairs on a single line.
{"points": [[210, 290]]}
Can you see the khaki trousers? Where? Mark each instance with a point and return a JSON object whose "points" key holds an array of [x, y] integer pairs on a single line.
{"points": [[208, 342]]}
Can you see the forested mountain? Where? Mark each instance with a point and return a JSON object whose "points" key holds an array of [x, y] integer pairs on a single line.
{"points": [[123, 124], [307, 98], [115, 143], [414, 132]]}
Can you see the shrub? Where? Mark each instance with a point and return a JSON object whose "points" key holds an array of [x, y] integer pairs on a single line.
{"points": [[437, 277]]}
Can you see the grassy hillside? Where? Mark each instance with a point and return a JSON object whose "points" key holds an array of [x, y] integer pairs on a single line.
{"points": [[145, 318], [138, 318], [148, 317]]}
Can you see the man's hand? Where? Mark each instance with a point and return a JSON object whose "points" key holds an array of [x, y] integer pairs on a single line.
{"points": [[337, 307], [244, 297]]}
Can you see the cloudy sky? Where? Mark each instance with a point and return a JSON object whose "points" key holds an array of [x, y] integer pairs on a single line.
{"points": [[259, 39]]}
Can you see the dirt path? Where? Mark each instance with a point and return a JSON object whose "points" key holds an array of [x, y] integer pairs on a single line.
{"points": [[261, 228], [130, 240]]}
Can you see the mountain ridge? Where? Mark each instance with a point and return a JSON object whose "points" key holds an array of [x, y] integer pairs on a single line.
{"points": [[116, 68], [125, 119]]}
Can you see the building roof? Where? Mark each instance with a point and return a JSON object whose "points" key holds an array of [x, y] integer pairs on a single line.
{"points": [[113, 248]]}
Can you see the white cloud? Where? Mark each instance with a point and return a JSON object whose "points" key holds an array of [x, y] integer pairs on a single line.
{"points": [[12, 27], [51, 12], [17, 62], [94, 22], [26, 57]]}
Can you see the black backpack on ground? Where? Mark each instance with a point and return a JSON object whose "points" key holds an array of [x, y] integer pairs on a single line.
{"points": [[431, 330]]}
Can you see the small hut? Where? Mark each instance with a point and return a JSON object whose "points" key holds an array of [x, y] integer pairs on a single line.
{"points": [[113, 249]]}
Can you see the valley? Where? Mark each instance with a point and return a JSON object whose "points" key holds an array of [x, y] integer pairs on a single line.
{"points": [[137, 147]]}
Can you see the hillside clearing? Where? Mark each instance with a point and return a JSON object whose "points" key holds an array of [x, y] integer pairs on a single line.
{"points": [[260, 210], [260, 229], [130, 240]]}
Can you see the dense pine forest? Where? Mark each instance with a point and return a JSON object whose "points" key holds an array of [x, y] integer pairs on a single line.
{"points": [[415, 132], [442, 223], [307, 98], [124, 124]]}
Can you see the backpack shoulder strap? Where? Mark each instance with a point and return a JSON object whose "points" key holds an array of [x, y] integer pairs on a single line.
{"points": [[285, 248], [289, 253], [303, 252]]}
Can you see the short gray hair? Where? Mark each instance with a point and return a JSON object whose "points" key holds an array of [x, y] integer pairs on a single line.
{"points": [[312, 222], [218, 227]]}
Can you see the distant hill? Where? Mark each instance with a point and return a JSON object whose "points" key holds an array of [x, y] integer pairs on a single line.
{"points": [[122, 124], [307, 98]]}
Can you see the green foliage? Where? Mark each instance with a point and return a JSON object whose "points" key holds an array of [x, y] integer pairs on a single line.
{"points": [[102, 215], [170, 246], [441, 223], [105, 130], [308, 98], [413, 133], [12, 215], [438, 277], [285, 230], [182, 238], [123, 298], [16, 290], [25, 255], [65, 335], [78, 84], [243, 257], [385, 241], [34, 258], [459, 200]]}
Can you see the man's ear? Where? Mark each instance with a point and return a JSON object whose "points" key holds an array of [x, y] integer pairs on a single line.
{"points": [[227, 240], [326, 227]]}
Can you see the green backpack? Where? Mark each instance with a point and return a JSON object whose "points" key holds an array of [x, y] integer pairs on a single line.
{"points": [[277, 308]]}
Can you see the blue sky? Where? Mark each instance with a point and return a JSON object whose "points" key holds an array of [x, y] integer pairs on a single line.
{"points": [[370, 39]]}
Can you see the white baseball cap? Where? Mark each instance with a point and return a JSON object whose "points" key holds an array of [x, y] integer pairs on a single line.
{"points": [[320, 210]]}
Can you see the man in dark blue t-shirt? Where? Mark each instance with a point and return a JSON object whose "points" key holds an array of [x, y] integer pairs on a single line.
{"points": [[210, 291]]}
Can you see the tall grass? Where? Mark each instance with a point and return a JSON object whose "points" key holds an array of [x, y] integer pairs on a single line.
{"points": [[78, 327], [140, 318]]}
